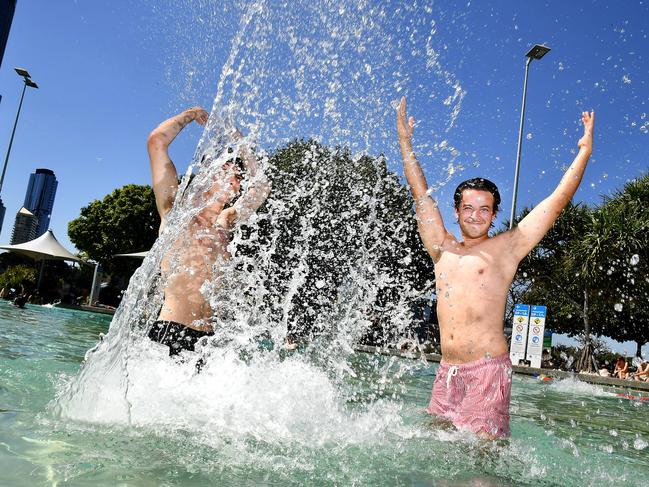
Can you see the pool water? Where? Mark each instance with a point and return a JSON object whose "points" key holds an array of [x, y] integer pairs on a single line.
{"points": [[294, 427]]}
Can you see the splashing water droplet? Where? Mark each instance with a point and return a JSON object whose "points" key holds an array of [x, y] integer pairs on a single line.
{"points": [[618, 307], [634, 259]]}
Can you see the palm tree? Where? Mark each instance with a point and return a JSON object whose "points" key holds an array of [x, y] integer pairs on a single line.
{"points": [[627, 264]]}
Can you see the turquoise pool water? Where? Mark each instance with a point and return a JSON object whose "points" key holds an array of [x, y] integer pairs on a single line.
{"points": [[295, 427]]}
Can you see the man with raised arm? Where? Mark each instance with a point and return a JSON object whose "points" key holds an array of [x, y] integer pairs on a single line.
{"points": [[473, 275], [186, 316]]}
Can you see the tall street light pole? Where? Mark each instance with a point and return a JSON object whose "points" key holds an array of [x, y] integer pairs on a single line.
{"points": [[27, 82], [537, 52]]}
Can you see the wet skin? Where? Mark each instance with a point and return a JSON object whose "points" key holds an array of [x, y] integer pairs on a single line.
{"points": [[472, 276], [190, 262]]}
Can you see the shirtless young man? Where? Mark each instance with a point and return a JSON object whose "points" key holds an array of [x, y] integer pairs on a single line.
{"points": [[186, 316], [473, 383]]}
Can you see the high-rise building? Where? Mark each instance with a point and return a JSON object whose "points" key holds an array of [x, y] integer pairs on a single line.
{"points": [[39, 198], [2, 214], [7, 9], [24, 227]]}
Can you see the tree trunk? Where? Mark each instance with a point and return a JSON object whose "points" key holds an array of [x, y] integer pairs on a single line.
{"points": [[638, 351], [586, 359]]}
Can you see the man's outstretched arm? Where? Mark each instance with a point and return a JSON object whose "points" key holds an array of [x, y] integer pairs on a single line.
{"points": [[429, 219], [535, 225], [259, 188], [163, 171]]}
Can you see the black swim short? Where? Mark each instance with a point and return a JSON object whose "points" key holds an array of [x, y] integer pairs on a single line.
{"points": [[176, 336]]}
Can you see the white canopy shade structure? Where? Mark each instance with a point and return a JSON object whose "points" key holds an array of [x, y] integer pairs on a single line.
{"points": [[135, 255], [45, 247]]}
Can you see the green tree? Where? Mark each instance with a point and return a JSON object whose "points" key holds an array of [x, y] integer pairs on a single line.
{"points": [[125, 221], [590, 270], [620, 268], [548, 276], [18, 275]]}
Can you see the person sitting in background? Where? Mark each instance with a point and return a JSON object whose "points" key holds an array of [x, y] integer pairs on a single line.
{"points": [[643, 371], [621, 368]]}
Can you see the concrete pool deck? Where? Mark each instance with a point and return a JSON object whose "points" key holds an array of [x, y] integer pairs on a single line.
{"points": [[531, 371]]}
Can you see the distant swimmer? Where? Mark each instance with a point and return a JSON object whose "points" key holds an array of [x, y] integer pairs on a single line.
{"points": [[473, 275], [186, 316]]}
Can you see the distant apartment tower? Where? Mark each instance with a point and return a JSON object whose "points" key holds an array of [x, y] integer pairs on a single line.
{"points": [[24, 227], [39, 198], [2, 214], [7, 9]]}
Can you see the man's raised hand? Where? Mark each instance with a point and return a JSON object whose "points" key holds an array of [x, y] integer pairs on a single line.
{"points": [[586, 142], [405, 128], [198, 114]]}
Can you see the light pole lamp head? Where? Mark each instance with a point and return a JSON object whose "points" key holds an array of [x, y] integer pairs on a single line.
{"points": [[22, 72], [537, 52], [26, 77]]}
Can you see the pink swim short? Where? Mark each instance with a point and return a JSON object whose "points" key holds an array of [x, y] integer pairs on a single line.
{"points": [[475, 395]]}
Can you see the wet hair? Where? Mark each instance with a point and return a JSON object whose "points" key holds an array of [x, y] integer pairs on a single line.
{"points": [[237, 162], [480, 184]]}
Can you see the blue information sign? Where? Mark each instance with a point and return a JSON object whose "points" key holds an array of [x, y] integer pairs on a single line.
{"points": [[538, 312]]}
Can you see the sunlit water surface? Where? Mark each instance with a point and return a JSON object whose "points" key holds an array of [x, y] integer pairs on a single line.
{"points": [[282, 422]]}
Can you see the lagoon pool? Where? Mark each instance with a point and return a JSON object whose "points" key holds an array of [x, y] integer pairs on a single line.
{"points": [[299, 431]]}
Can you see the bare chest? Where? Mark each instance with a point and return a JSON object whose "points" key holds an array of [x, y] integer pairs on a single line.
{"points": [[471, 274], [196, 251]]}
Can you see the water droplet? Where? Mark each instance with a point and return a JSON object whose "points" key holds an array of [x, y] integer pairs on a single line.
{"points": [[634, 259], [618, 307]]}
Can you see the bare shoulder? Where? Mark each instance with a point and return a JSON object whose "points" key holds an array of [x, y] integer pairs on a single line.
{"points": [[503, 245], [449, 243]]}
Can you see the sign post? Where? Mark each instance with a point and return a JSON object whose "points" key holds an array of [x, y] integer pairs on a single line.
{"points": [[519, 333], [535, 335]]}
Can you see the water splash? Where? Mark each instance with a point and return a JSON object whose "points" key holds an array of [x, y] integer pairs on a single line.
{"points": [[323, 76]]}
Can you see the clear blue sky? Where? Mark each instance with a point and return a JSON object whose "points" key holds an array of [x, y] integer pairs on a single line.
{"points": [[110, 71]]}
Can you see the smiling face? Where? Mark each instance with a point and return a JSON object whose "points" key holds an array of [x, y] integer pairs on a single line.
{"points": [[475, 213]]}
